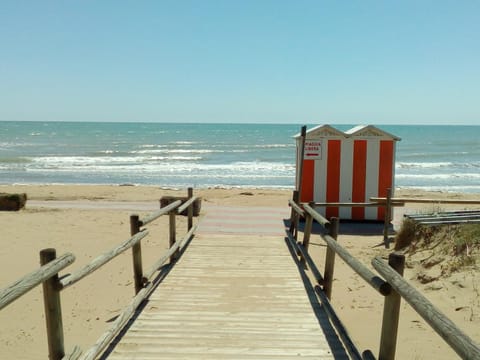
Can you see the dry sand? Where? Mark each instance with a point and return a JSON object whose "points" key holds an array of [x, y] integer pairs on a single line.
{"points": [[90, 305]]}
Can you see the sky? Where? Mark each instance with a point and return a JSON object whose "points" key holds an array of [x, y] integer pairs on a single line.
{"points": [[261, 61]]}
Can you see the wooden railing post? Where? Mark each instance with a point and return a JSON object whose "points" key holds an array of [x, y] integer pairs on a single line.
{"points": [[391, 313], [307, 231], [294, 216], [135, 225], [172, 233], [330, 259], [53, 309], [388, 218], [190, 209], [303, 137]]}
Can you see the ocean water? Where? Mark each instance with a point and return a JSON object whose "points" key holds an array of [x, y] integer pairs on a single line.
{"points": [[444, 158]]}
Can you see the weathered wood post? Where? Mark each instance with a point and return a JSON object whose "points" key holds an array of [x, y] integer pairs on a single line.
{"points": [[190, 209], [388, 218], [303, 134], [294, 216], [391, 313], [172, 233], [53, 309], [135, 225], [330, 259], [307, 231]]}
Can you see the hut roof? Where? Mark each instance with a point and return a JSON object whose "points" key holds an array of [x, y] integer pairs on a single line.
{"points": [[360, 130], [369, 130], [322, 130]]}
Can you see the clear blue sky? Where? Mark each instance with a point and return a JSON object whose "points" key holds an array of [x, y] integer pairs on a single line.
{"points": [[378, 62]]}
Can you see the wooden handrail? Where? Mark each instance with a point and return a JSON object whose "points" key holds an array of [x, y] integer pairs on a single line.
{"points": [[427, 201], [186, 204], [164, 210], [365, 273], [393, 288], [463, 345], [295, 207], [47, 275], [178, 245], [319, 218], [74, 354], [358, 204], [35, 278], [101, 260], [121, 320]]}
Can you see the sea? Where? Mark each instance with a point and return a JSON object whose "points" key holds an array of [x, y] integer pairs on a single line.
{"points": [[179, 155]]}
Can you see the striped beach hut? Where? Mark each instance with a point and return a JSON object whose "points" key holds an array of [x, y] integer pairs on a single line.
{"points": [[348, 167]]}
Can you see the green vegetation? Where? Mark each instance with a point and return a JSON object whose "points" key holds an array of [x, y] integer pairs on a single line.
{"points": [[459, 244]]}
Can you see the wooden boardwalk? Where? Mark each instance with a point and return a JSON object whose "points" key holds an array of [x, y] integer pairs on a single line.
{"points": [[232, 295]]}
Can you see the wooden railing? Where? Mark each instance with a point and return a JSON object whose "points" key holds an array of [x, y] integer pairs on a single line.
{"points": [[144, 282], [392, 286], [387, 202]]}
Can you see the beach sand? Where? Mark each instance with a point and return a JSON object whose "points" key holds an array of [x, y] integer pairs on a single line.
{"points": [[96, 218]]}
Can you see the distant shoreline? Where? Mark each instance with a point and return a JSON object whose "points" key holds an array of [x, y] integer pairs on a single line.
{"points": [[127, 192]]}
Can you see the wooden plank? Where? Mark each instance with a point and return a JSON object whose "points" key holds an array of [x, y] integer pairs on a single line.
{"points": [[326, 306], [243, 220], [224, 301]]}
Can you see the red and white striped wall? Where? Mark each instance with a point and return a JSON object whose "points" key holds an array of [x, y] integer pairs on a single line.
{"points": [[348, 167]]}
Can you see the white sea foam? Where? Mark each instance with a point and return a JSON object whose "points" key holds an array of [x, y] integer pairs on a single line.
{"points": [[185, 142], [82, 161], [436, 165], [445, 188], [273, 146], [423, 165], [219, 155], [177, 165], [439, 176], [176, 151]]}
